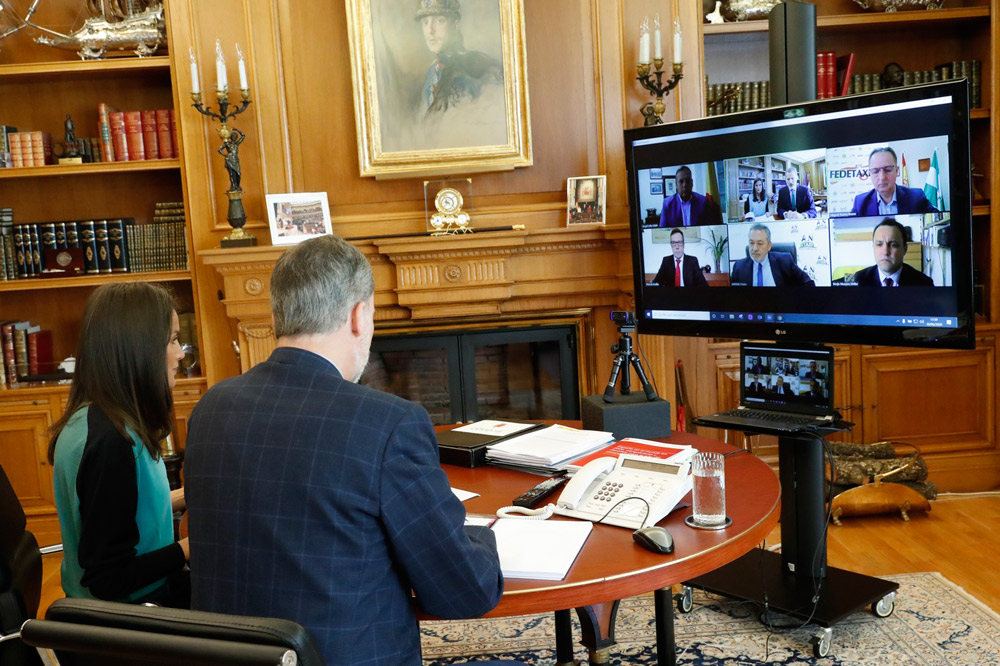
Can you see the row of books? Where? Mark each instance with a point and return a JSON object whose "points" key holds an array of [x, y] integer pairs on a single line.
{"points": [[834, 77], [116, 245], [27, 351], [22, 149], [722, 98], [127, 136], [963, 69]]}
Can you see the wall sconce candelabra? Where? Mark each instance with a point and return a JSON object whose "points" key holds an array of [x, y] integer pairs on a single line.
{"points": [[652, 112], [231, 139]]}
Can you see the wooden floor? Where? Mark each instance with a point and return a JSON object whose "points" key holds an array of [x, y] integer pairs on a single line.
{"points": [[959, 538]]}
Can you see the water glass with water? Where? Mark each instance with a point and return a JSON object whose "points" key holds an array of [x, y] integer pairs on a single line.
{"points": [[709, 493]]}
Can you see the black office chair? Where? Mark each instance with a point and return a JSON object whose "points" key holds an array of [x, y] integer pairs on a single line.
{"points": [[20, 578], [88, 632]]}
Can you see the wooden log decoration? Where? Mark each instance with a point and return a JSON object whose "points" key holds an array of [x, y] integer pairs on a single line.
{"points": [[856, 470], [868, 466]]}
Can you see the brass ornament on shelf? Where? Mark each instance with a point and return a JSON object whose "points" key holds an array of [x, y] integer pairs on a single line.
{"points": [[747, 10], [450, 218], [898, 5]]}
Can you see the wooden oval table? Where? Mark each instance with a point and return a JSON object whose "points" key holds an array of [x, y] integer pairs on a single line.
{"points": [[612, 567]]}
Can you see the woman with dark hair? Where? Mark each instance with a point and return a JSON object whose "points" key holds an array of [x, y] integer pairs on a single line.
{"points": [[757, 202], [114, 503]]}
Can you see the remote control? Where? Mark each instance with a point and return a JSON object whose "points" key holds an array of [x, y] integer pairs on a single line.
{"points": [[532, 497]]}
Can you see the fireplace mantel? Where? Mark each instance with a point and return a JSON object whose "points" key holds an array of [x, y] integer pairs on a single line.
{"points": [[488, 276]]}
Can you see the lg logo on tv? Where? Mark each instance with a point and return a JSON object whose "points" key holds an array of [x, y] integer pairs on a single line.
{"points": [[780, 331]]}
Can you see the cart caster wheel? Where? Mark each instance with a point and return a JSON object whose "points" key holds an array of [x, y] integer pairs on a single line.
{"points": [[821, 643], [884, 606], [685, 600]]}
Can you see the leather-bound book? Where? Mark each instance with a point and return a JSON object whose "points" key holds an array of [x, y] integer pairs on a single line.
{"points": [[133, 136], [88, 241]]}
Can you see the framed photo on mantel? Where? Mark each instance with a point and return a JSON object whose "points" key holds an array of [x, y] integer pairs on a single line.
{"points": [[440, 86], [298, 216], [585, 200]]}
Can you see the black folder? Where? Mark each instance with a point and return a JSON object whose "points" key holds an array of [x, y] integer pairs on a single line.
{"points": [[468, 449]]}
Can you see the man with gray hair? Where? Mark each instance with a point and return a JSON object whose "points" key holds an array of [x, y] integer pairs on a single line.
{"points": [[315, 499], [763, 268]]}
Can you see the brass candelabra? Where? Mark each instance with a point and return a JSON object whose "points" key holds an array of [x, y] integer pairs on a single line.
{"points": [[653, 111], [231, 140]]}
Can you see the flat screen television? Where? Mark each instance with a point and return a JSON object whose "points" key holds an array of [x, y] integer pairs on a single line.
{"points": [[714, 198]]}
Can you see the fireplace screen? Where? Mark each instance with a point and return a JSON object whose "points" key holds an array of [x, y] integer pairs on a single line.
{"points": [[526, 373]]}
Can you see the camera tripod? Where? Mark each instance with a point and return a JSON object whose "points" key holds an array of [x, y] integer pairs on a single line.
{"points": [[625, 355]]}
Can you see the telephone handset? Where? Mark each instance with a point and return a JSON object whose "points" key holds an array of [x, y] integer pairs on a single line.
{"points": [[630, 491]]}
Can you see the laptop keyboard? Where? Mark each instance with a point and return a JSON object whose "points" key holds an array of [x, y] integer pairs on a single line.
{"points": [[767, 416]]}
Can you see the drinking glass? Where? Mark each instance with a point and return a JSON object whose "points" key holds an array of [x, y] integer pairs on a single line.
{"points": [[709, 493]]}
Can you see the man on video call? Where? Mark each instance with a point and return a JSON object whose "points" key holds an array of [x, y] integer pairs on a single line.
{"points": [[795, 201], [687, 208], [889, 244], [886, 197], [755, 388], [679, 269], [764, 268], [781, 388], [322, 501]]}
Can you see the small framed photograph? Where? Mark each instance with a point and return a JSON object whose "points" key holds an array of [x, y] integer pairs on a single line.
{"points": [[669, 186], [656, 187], [298, 216], [655, 173], [585, 200]]}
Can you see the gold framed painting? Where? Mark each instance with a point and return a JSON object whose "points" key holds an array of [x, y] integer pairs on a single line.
{"points": [[440, 86]]}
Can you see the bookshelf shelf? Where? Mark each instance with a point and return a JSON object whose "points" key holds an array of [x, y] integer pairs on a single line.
{"points": [[77, 68], [863, 20], [89, 169], [32, 284]]}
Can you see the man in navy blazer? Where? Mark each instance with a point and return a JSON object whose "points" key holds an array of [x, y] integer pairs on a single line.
{"points": [[889, 244], [764, 268], [886, 197], [315, 499], [691, 275], [687, 208], [803, 206]]}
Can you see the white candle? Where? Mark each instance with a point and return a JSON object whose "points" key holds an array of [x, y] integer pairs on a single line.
{"points": [[243, 69], [657, 48], [677, 41], [222, 82], [644, 48], [195, 83]]}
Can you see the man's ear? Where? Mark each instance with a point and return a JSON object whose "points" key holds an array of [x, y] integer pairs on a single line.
{"points": [[356, 318]]}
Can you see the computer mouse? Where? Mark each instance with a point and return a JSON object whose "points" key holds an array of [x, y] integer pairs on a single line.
{"points": [[656, 539]]}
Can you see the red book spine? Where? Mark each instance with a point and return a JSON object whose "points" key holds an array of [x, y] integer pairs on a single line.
{"points": [[133, 135], [149, 139], [163, 136], [39, 352], [117, 120], [831, 73], [173, 132]]}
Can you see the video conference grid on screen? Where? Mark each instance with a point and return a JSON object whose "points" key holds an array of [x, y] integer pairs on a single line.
{"points": [[856, 200]]}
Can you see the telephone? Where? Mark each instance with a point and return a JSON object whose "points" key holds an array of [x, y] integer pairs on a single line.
{"points": [[630, 491]]}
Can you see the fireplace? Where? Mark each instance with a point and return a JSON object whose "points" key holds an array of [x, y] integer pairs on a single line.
{"points": [[528, 372]]}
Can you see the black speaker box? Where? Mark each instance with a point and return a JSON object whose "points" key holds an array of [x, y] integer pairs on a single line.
{"points": [[792, 34], [628, 416]]}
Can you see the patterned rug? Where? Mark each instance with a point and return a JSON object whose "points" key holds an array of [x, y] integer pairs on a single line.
{"points": [[935, 623]]}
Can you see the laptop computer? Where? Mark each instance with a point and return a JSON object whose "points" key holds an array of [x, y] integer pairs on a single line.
{"points": [[784, 388]]}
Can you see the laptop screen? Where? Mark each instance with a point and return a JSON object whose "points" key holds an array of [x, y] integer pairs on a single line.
{"points": [[787, 377]]}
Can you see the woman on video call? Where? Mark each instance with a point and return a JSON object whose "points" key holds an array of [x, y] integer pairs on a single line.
{"points": [[114, 503], [756, 203]]}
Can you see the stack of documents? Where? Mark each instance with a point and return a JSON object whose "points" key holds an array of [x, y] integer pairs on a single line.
{"points": [[547, 448], [667, 452], [539, 549]]}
